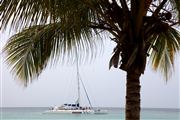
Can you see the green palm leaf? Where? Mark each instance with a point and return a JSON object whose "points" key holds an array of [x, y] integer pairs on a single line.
{"points": [[166, 45], [29, 51], [24, 13], [176, 7]]}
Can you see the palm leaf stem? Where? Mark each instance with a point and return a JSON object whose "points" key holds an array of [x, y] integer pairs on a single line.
{"points": [[159, 8], [124, 5], [105, 28], [175, 23], [102, 14]]}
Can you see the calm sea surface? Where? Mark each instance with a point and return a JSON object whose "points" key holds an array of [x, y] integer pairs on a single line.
{"points": [[113, 114]]}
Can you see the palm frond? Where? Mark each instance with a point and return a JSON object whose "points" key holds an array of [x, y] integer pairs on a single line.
{"points": [[176, 7], [166, 45], [24, 13], [29, 51]]}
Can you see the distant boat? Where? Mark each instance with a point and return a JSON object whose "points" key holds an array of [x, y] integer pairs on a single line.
{"points": [[71, 108], [76, 108]]}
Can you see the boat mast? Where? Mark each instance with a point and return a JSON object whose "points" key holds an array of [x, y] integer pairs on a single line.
{"points": [[78, 82], [78, 79]]}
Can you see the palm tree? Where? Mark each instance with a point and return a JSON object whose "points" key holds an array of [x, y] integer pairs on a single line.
{"points": [[49, 29]]}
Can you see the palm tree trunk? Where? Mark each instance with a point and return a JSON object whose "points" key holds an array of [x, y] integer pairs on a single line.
{"points": [[133, 96]]}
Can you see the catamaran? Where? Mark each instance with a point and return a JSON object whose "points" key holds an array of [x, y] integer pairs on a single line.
{"points": [[76, 107]]}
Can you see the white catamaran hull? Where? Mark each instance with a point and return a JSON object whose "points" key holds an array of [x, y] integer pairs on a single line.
{"points": [[71, 111]]}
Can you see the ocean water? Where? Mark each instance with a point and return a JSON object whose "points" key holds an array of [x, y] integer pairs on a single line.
{"points": [[113, 114]]}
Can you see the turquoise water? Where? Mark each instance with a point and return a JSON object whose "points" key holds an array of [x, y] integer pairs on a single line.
{"points": [[113, 114]]}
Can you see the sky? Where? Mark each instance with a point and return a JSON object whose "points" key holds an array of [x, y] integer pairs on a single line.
{"points": [[106, 88]]}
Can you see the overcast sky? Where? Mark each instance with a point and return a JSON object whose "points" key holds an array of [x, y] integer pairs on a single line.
{"points": [[106, 88]]}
